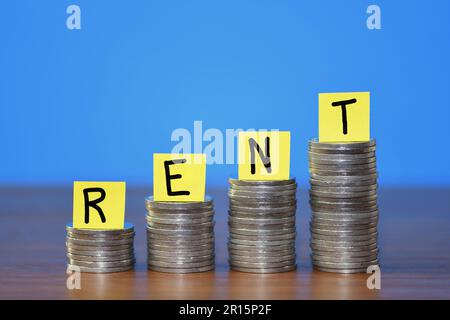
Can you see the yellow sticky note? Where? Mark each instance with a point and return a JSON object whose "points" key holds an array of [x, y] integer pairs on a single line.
{"points": [[264, 155], [98, 205], [344, 117], [179, 177]]}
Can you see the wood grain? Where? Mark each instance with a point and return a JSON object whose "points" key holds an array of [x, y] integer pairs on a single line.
{"points": [[414, 239]]}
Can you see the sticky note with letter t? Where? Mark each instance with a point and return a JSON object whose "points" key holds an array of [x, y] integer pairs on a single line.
{"points": [[98, 205], [344, 117], [264, 155], [179, 177]]}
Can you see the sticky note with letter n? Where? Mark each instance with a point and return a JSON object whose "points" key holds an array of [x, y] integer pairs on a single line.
{"points": [[98, 205], [179, 177], [344, 117], [264, 155]]}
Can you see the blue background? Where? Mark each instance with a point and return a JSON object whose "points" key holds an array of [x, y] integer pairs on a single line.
{"points": [[96, 103]]}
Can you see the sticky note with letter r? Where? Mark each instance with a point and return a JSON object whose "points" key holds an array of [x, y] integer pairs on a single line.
{"points": [[179, 177], [98, 205], [344, 117], [264, 155]]}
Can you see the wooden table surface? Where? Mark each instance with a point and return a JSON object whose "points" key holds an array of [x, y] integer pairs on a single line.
{"points": [[414, 237]]}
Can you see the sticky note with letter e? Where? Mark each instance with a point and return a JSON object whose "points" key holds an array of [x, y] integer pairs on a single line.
{"points": [[344, 117], [264, 155], [98, 205], [179, 177]]}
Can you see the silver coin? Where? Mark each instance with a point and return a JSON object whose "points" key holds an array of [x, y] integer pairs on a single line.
{"points": [[341, 225], [101, 237], [109, 264], [201, 236], [255, 252], [99, 242], [341, 157], [338, 242], [100, 252], [163, 264], [339, 208], [263, 210], [184, 216], [344, 179], [345, 260], [343, 194], [167, 226], [264, 270], [345, 254], [99, 258], [103, 270], [340, 189], [339, 161], [180, 243], [264, 265], [342, 145], [181, 258], [261, 216], [262, 188], [262, 228], [343, 200], [334, 232], [343, 271], [181, 211], [180, 231], [174, 252], [344, 237], [98, 248], [342, 173], [316, 183], [340, 265], [268, 183], [342, 167], [261, 258], [289, 236], [259, 248], [155, 246], [257, 232], [341, 149], [207, 220], [261, 243], [178, 204], [262, 221], [181, 270], [261, 194], [128, 227], [342, 216], [343, 248]]}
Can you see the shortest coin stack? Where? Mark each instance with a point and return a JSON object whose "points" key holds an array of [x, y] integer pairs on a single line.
{"points": [[180, 236], [100, 251], [262, 225], [343, 198]]}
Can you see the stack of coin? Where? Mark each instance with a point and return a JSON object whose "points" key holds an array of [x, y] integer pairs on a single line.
{"points": [[262, 225], [180, 236], [100, 251], [343, 198]]}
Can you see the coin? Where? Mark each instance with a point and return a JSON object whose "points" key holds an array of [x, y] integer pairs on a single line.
{"points": [[128, 227], [260, 183], [96, 264], [178, 204], [264, 270], [99, 258], [101, 270], [99, 242], [181, 270], [288, 236]]}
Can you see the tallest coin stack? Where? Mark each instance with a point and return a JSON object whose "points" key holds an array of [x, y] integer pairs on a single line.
{"points": [[343, 198]]}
